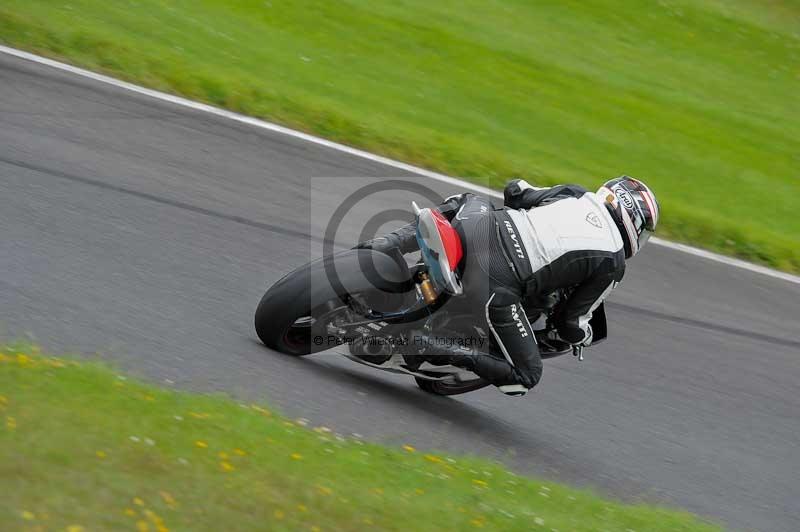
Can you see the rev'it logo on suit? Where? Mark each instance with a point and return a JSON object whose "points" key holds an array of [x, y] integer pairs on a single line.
{"points": [[513, 235], [518, 321]]}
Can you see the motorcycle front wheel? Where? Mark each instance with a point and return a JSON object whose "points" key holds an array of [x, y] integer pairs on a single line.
{"points": [[293, 315]]}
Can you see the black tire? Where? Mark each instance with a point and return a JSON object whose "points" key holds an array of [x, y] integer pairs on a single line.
{"points": [[445, 388], [293, 311]]}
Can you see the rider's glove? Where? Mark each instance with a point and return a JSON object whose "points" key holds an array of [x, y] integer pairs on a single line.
{"points": [[577, 348], [586, 342], [552, 334], [403, 240], [381, 243]]}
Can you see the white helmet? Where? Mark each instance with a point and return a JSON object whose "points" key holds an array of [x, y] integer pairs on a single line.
{"points": [[634, 208]]}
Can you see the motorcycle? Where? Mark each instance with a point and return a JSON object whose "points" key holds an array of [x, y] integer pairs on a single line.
{"points": [[385, 311]]}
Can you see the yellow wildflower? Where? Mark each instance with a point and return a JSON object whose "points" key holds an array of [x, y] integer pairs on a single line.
{"points": [[315, 528], [477, 522], [28, 516], [75, 528], [226, 466], [325, 491], [130, 512], [138, 502], [239, 452], [201, 444], [302, 508], [433, 458], [142, 526], [155, 518], [409, 448], [296, 456], [223, 455], [11, 423], [478, 482], [279, 514], [100, 454], [168, 499], [419, 491]]}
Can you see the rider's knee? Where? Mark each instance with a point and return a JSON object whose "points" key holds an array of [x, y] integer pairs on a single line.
{"points": [[516, 390], [524, 382]]}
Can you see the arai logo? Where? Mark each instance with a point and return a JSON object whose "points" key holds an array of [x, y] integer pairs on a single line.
{"points": [[625, 197]]}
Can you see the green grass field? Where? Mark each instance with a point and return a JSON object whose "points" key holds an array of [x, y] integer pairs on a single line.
{"points": [[83, 448], [700, 99]]}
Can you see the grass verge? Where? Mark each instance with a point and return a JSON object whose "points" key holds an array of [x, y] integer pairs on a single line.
{"points": [[698, 98], [83, 448]]}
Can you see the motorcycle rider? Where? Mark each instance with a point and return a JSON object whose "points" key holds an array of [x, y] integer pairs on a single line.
{"points": [[544, 239]]}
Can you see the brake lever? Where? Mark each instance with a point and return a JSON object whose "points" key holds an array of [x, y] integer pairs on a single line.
{"points": [[577, 351]]}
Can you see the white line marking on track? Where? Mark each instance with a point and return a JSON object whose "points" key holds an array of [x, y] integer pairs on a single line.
{"points": [[730, 261], [255, 122]]}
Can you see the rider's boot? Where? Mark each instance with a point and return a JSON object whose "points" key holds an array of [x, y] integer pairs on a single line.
{"points": [[498, 372]]}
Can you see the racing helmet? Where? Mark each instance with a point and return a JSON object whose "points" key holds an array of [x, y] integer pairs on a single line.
{"points": [[634, 208]]}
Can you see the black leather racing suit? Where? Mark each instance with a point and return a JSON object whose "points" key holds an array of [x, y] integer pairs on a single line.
{"points": [[542, 240]]}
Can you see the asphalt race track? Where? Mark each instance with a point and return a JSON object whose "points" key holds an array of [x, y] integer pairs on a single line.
{"points": [[148, 233]]}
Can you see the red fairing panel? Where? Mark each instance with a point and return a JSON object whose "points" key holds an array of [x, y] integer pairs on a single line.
{"points": [[450, 239]]}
